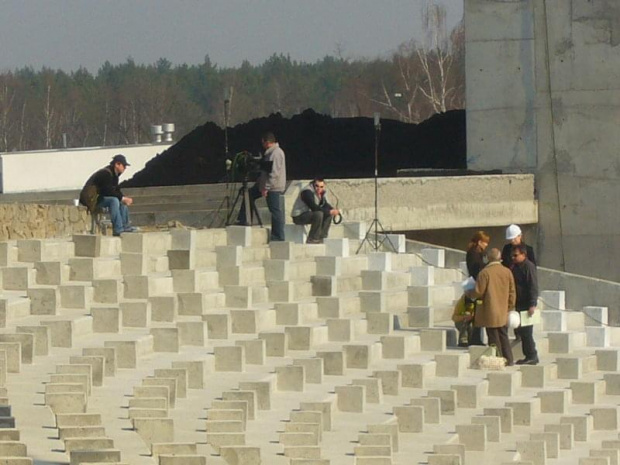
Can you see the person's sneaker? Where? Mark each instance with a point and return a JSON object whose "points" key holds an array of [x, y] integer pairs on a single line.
{"points": [[130, 229]]}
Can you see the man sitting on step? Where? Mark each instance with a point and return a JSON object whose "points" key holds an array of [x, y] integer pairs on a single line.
{"points": [[102, 191], [312, 207]]}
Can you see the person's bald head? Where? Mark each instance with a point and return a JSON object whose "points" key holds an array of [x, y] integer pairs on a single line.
{"points": [[494, 255]]}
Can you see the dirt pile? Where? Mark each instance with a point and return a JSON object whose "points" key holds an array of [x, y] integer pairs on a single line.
{"points": [[314, 145]]}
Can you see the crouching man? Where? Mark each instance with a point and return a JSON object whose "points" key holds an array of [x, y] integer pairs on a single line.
{"points": [[102, 191], [313, 208]]}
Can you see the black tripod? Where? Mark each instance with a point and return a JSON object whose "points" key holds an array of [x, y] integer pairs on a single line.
{"points": [[249, 205], [376, 225]]}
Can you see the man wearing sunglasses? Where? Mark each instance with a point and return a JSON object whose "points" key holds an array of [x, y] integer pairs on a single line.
{"points": [[526, 282], [313, 208]]}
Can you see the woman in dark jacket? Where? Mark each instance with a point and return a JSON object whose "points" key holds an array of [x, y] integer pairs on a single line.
{"points": [[476, 261]]}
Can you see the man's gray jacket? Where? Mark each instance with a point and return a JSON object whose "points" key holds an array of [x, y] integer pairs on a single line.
{"points": [[275, 180]]}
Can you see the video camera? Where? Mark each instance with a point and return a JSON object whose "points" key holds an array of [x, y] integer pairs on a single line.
{"points": [[244, 165]]}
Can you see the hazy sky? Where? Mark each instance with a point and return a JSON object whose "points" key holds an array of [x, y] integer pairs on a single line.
{"points": [[67, 34]]}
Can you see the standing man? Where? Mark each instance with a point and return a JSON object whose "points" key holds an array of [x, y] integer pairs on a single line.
{"points": [[312, 207], [102, 187], [271, 184], [526, 281], [496, 287], [514, 237]]}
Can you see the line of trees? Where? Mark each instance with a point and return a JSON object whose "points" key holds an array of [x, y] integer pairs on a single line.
{"points": [[51, 108]]}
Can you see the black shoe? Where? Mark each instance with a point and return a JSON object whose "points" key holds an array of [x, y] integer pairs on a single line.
{"points": [[314, 241], [116, 234], [527, 361]]}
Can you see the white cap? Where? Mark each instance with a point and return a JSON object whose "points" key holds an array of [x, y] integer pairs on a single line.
{"points": [[514, 319], [512, 231]]}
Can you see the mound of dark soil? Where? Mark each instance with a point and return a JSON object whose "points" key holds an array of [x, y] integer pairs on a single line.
{"points": [[314, 145]]}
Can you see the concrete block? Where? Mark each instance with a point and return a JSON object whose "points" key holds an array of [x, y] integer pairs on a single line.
{"points": [[78, 457], [432, 340], [594, 461], [564, 432], [236, 406], [239, 236], [374, 390], [12, 356], [389, 429], [313, 369], [109, 357], [410, 418], [151, 392], [182, 459], [380, 261], [604, 418], [263, 391], [612, 454], [554, 401], [298, 439], [422, 275], [504, 413], [524, 412], [217, 440], [552, 443], [596, 316], [302, 452], [582, 426], [533, 451], [333, 362], [434, 257], [170, 383], [181, 259], [396, 243], [612, 383], [379, 323], [254, 351], [218, 325], [165, 339], [390, 381], [537, 376], [192, 333], [447, 398], [66, 402], [105, 319], [224, 426], [586, 392], [351, 398], [295, 313], [96, 363], [231, 358], [444, 459], [420, 317], [154, 430], [415, 374], [241, 455], [451, 365], [78, 420], [275, 343], [72, 444], [227, 415], [43, 300], [179, 374], [473, 437], [326, 408], [598, 336], [337, 247], [26, 342], [608, 359], [469, 395], [361, 355], [372, 451], [135, 314], [307, 417], [157, 403], [81, 432], [492, 424], [248, 396], [164, 308], [315, 429], [553, 300], [504, 383], [195, 370], [290, 378], [432, 408], [305, 337]]}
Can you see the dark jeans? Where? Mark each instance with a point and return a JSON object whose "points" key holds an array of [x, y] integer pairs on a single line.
{"points": [[119, 213], [498, 337], [526, 333], [274, 203], [320, 222]]}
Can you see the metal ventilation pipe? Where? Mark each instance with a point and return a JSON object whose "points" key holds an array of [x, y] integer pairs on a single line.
{"points": [[168, 130], [156, 133]]}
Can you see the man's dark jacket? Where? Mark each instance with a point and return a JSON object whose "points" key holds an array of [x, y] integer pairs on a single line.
{"points": [[106, 181], [507, 252], [526, 283]]}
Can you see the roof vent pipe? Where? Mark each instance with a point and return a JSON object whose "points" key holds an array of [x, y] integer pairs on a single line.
{"points": [[168, 130], [156, 133]]}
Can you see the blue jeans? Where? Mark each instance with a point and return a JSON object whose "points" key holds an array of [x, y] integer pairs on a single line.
{"points": [[119, 213], [274, 203]]}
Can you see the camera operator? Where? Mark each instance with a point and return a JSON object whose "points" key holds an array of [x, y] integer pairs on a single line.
{"points": [[271, 184], [312, 207]]}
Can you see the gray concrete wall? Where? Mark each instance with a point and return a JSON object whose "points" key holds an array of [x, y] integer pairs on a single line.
{"points": [[543, 97], [407, 204]]}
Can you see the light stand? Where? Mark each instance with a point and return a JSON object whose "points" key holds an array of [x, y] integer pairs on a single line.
{"points": [[376, 243]]}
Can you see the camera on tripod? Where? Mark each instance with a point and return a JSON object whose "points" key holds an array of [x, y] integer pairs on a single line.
{"points": [[244, 166]]}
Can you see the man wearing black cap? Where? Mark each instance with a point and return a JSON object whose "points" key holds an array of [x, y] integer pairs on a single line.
{"points": [[109, 195]]}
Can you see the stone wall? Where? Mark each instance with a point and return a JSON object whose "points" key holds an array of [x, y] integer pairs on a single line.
{"points": [[26, 221], [543, 96]]}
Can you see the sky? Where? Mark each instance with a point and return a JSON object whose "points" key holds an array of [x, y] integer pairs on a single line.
{"points": [[69, 34]]}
